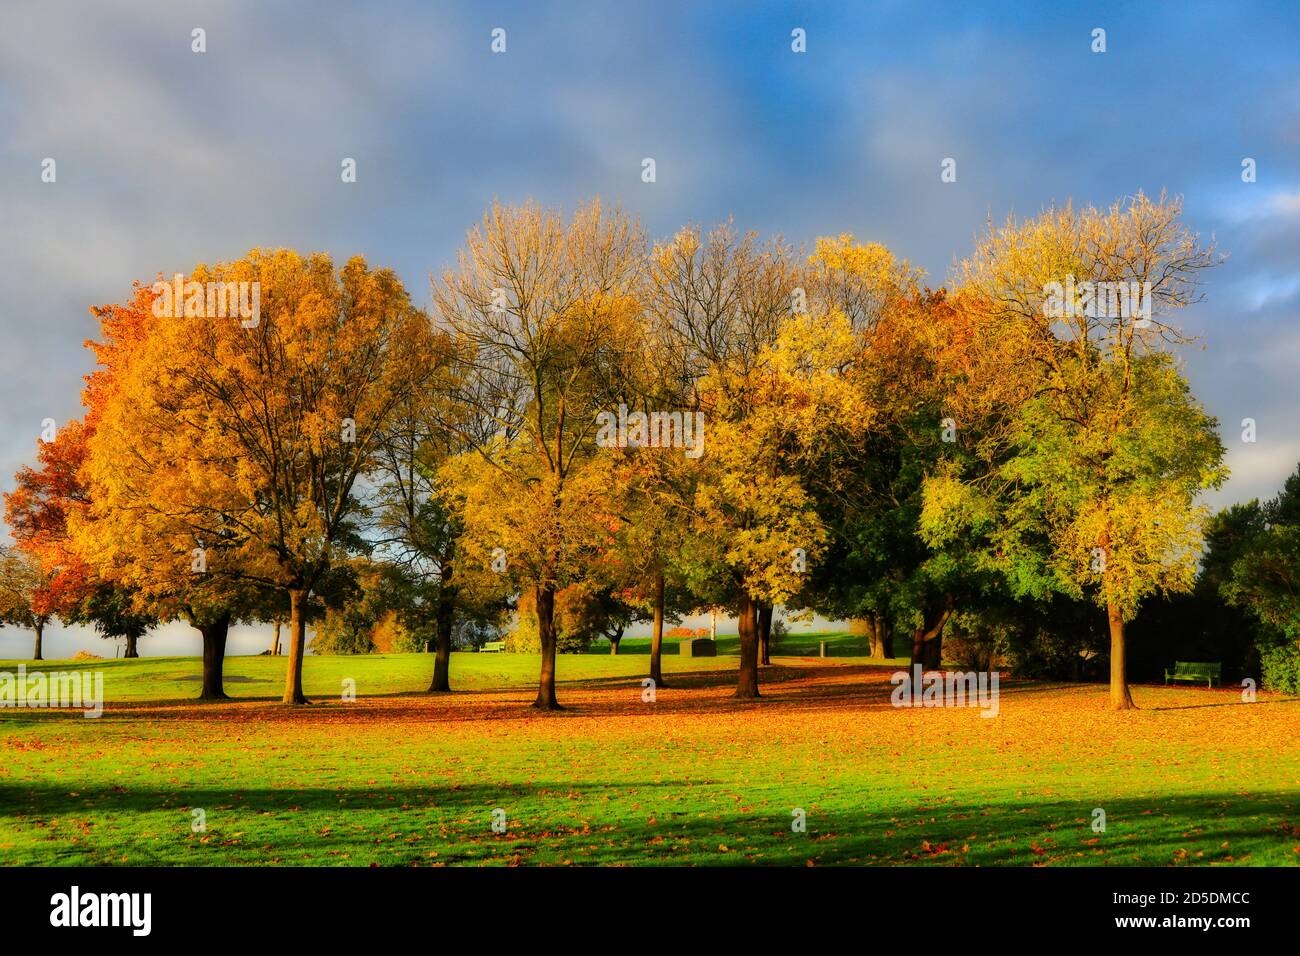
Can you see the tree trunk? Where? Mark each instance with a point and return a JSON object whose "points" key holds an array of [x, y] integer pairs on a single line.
{"points": [[927, 643], [297, 645], [918, 646], [613, 644], [747, 682], [657, 636], [130, 646], [546, 634], [36, 653], [443, 620], [1120, 698], [934, 651], [214, 658], [275, 644], [881, 636], [765, 633]]}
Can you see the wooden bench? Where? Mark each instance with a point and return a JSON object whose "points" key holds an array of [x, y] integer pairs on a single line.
{"points": [[493, 647], [1194, 673]]}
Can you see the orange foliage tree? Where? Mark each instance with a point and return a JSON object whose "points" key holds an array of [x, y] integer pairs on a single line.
{"points": [[53, 496], [233, 449]]}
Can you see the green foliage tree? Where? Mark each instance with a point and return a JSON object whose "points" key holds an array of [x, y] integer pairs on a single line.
{"points": [[1260, 572], [1092, 487], [1264, 575]]}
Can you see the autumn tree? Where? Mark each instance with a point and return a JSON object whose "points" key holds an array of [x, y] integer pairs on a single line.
{"points": [[38, 510], [658, 477], [274, 421], [415, 525], [861, 281], [543, 311], [719, 300], [867, 480], [171, 573], [755, 521], [24, 594], [119, 533], [1091, 486], [646, 565]]}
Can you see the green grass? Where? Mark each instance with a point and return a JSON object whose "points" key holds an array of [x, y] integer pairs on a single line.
{"points": [[400, 777], [838, 644], [176, 678]]}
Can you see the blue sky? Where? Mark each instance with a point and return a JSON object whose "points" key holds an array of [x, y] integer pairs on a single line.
{"points": [[166, 157]]}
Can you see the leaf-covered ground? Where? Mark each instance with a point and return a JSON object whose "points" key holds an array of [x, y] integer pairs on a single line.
{"points": [[398, 777]]}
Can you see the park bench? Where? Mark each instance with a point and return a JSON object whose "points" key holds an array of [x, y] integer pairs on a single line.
{"points": [[492, 646], [1194, 673]]}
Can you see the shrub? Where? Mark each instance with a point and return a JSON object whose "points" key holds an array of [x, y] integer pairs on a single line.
{"points": [[342, 633], [406, 640], [1280, 668]]}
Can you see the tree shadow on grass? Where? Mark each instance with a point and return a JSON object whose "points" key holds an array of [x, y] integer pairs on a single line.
{"points": [[57, 799], [1154, 830], [51, 666], [580, 821], [1236, 702]]}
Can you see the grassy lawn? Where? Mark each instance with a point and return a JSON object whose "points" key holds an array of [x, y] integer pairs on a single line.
{"points": [[838, 644], [399, 777]]}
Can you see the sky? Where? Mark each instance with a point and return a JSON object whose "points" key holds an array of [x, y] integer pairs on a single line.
{"points": [[165, 157]]}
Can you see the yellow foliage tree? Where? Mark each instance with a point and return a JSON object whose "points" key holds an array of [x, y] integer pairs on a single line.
{"points": [[1089, 484], [753, 513], [544, 311]]}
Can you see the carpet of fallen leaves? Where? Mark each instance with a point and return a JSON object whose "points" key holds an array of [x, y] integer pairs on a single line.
{"points": [[1194, 776]]}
